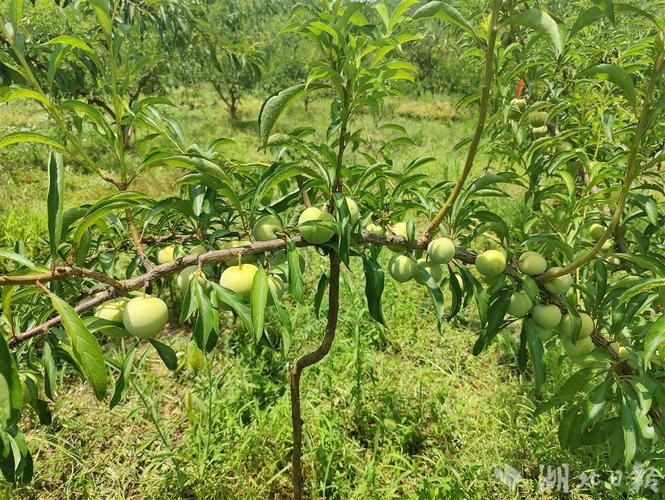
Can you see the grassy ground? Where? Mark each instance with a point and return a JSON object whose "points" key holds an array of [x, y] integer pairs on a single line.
{"points": [[402, 411]]}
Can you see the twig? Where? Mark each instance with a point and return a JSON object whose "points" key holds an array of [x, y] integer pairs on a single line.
{"points": [[136, 238]]}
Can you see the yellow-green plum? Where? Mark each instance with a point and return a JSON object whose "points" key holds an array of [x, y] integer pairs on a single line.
{"points": [[586, 328], [564, 147], [520, 304], [402, 267], [539, 132], [198, 250], [532, 263], [185, 276], [434, 270], [559, 285], [623, 352], [543, 333], [608, 245], [491, 263], [239, 279], [265, 228], [112, 310], [537, 118], [517, 107], [354, 212], [441, 251], [375, 229], [399, 229], [246, 259], [596, 231], [166, 254], [313, 234], [577, 350], [546, 316], [145, 316]]}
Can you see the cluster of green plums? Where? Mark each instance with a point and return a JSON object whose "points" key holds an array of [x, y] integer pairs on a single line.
{"points": [[145, 316], [545, 318]]}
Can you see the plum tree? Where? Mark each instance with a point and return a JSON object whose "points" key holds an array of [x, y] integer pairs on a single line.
{"points": [[440, 251], [102, 250], [402, 267], [532, 263], [546, 316], [491, 263], [145, 316], [266, 227], [315, 234]]}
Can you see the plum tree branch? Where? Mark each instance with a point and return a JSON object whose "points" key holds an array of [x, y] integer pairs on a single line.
{"points": [[631, 171], [480, 124]]}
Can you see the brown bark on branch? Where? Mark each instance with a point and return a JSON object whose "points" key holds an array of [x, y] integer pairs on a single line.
{"points": [[303, 362]]}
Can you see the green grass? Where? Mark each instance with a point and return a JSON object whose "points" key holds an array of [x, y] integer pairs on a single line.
{"points": [[396, 412]]}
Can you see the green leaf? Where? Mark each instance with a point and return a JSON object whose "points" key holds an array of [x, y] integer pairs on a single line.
{"points": [[587, 17], [19, 259], [50, 374], [543, 23], [374, 283], [295, 279], [122, 384], [21, 137], [616, 75], [13, 397], [655, 337], [55, 200], [72, 41], [13, 93], [537, 355], [446, 12], [15, 13], [436, 295], [86, 349], [275, 105], [258, 301], [166, 353], [101, 9], [320, 291], [629, 438], [236, 302], [597, 400]]}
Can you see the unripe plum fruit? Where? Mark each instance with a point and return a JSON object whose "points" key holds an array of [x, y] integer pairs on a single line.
{"points": [[399, 229], [198, 250], [312, 234], [491, 263], [185, 276], [402, 267], [585, 330], [564, 147], [112, 310], [239, 279], [546, 316], [517, 107], [532, 263], [441, 251], [577, 350], [559, 285], [539, 132], [145, 316], [166, 254], [537, 118], [375, 229], [354, 212], [265, 227], [434, 270], [520, 304], [596, 231], [543, 333]]}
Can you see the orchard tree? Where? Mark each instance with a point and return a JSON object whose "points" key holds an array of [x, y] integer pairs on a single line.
{"points": [[574, 128]]}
